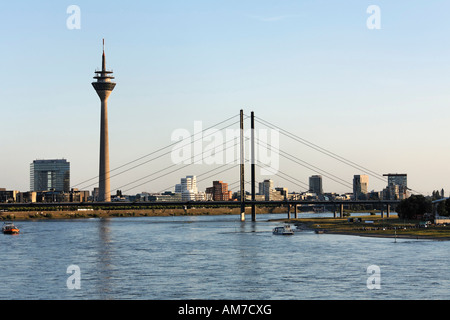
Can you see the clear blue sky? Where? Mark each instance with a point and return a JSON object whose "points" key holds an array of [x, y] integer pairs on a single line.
{"points": [[377, 97]]}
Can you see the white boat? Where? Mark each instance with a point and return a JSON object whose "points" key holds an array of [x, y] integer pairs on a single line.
{"points": [[285, 231]]}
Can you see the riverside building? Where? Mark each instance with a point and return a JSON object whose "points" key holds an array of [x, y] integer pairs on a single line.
{"points": [[360, 186], [315, 184], [50, 175], [188, 189], [219, 191]]}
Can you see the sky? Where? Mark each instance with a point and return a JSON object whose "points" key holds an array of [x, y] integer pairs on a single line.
{"points": [[376, 96]]}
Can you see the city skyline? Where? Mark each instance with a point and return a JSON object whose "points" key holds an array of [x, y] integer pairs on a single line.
{"points": [[377, 97]]}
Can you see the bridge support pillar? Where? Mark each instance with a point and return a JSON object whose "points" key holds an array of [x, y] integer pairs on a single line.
{"points": [[295, 211], [252, 165], [341, 210], [242, 184], [382, 211], [388, 210], [289, 211]]}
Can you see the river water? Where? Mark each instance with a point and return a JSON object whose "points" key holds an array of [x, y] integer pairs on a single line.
{"points": [[213, 257]]}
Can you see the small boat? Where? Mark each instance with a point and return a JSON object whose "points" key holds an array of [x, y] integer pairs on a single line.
{"points": [[285, 231], [10, 228], [319, 231]]}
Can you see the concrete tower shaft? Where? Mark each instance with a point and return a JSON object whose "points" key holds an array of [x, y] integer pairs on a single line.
{"points": [[104, 86]]}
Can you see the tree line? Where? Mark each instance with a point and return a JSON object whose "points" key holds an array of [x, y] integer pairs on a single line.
{"points": [[416, 206]]}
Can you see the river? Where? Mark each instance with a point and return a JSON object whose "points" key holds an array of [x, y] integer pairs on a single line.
{"points": [[213, 257]]}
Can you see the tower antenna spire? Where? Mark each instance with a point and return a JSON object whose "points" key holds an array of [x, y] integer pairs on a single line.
{"points": [[103, 57]]}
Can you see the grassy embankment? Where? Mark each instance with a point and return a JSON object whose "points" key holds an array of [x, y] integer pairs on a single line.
{"points": [[381, 227], [387, 227], [131, 212]]}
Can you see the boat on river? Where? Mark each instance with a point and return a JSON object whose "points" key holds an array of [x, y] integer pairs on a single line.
{"points": [[10, 228], [284, 231]]}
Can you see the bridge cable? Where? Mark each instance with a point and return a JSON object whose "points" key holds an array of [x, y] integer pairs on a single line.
{"points": [[193, 156], [296, 181], [156, 151], [320, 149], [327, 152], [159, 156], [308, 165], [172, 186]]}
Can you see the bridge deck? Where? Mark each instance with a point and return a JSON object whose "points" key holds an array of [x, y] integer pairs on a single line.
{"points": [[197, 203]]}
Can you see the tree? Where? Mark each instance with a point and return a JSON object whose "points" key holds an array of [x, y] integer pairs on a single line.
{"points": [[436, 195], [413, 207], [442, 208]]}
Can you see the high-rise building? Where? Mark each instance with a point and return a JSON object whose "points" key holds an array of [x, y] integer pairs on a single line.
{"points": [[399, 179], [104, 86], [189, 183], [397, 188], [219, 191], [266, 187], [315, 184], [53, 174], [188, 189], [360, 186]]}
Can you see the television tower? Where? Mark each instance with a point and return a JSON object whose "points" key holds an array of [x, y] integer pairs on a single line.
{"points": [[104, 86]]}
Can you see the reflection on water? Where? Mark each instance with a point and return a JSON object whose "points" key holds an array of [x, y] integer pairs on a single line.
{"points": [[104, 266], [213, 257]]}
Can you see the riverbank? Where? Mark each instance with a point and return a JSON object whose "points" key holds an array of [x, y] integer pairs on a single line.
{"points": [[374, 226], [370, 225], [80, 214]]}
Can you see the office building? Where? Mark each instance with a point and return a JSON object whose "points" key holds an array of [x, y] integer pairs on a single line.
{"points": [[189, 183], [50, 175], [360, 186], [265, 187], [219, 191], [283, 192], [8, 195], [26, 197], [188, 189], [315, 184], [397, 188], [399, 179], [166, 196]]}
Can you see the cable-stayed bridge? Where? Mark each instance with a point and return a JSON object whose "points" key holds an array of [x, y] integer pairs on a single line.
{"points": [[229, 150]]}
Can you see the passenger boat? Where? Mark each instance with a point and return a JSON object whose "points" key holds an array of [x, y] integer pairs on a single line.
{"points": [[10, 228], [285, 231]]}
